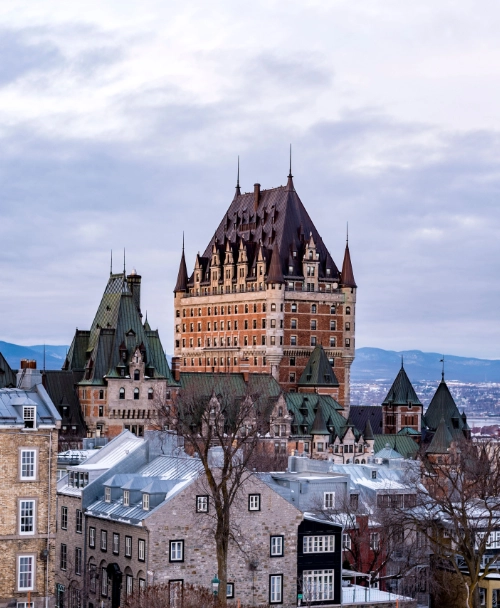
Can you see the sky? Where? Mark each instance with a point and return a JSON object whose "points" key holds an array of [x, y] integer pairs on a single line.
{"points": [[121, 124]]}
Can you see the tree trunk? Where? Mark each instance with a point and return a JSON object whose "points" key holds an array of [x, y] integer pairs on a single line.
{"points": [[222, 546]]}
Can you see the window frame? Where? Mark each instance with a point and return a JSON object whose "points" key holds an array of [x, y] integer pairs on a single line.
{"points": [[199, 502], [329, 500], [116, 543], [174, 546], [32, 516], [79, 521], [129, 585], [64, 517], [92, 537], [128, 546], [281, 547], [104, 541], [141, 550], [277, 577], [32, 571], [254, 497], [63, 557], [318, 543], [230, 590], [78, 561], [33, 477]]}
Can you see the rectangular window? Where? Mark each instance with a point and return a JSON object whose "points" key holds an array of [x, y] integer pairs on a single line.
{"points": [[230, 590], [329, 500], [29, 416], [374, 541], [141, 550], [64, 557], [254, 502], [126, 498], [276, 589], [317, 585], [346, 541], [277, 546], [92, 538], [28, 465], [104, 540], [116, 543], [128, 546], [107, 494], [104, 582], [64, 518], [26, 572], [78, 560], [129, 585], [29, 605], [92, 577], [319, 544], [79, 521], [26, 517], [202, 504], [142, 585], [176, 550], [145, 502], [293, 340]]}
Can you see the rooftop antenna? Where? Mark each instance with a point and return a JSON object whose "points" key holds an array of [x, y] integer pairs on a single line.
{"points": [[442, 370], [111, 265]]}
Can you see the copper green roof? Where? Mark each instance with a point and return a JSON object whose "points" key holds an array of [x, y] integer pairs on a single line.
{"points": [[319, 424], [208, 383], [401, 391], [407, 430], [318, 371], [441, 441], [304, 406], [400, 443], [7, 376], [443, 406]]}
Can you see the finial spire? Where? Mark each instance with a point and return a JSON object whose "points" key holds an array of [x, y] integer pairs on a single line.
{"points": [[124, 271], [347, 234], [442, 370], [44, 356], [402, 361], [238, 189], [183, 240], [290, 173], [111, 265]]}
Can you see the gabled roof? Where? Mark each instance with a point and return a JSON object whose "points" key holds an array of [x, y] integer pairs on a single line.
{"points": [[388, 453], [61, 387], [401, 391], [318, 371], [7, 376], [347, 274], [303, 407]]}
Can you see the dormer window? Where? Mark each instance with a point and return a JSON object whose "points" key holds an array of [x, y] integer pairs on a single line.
{"points": [[327, 272], [145, 502], [126, 498], [137, 375], [310, 255], [29, 416], [107, 494]]}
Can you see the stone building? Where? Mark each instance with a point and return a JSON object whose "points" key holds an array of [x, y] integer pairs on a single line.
{"points": [[121, 363], [29, 424], [402, 409], [265, 293]]}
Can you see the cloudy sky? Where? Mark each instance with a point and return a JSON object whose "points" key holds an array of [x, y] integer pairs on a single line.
{"points": [[121, 123]]}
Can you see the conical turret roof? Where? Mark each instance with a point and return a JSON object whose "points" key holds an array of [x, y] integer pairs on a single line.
{"points": [[275, 273], [347, 274], [368, 432], [441, 441], [443, 406], [401, 391], [182, 276], [318, 371], [319, 424]]}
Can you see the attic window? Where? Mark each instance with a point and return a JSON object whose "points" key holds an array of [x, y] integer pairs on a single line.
{"points": [[308, 377], [107, 494], [374, 474], [29, 416], [290, 270], [126, 498], [327, 378], [294, 254], [145, 502], [327, 272]]}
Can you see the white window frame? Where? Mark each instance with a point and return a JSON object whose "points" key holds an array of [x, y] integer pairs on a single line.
{"points": [[319, 544], [25, 605], [29, 415], [107, 494], [63, 557], [329, 500], [22, 562], [32, 465], [79, 521], [374, 541], [126, 498], [254, 502], [104, 582], [276, 589], [116, 543], [277, 546], [346, 541], [92, 537], [129, 588], [176, 551], [318, 585], [141, 550], [202, 504], [128, 546], [230, 590], [145, 502], [27, 518], [104, 540], [78, 560], [64, 517]]}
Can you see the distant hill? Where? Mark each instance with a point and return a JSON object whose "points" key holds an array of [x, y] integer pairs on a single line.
{"points": [[54, 355], [378, 365]]}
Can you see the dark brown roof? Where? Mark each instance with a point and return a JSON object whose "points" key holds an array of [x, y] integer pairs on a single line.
{"points": [[347, 273], [280, 221], [182, 276], [275, 275], [360, 414]]}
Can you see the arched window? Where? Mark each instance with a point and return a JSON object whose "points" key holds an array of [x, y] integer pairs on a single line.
{"points": [[332, 309], [136, 393], [137, 374], [347, 310], [122, 393], [273, 307], [150, 393]]}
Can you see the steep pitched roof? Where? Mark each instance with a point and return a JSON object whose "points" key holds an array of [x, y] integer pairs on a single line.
{"points": [[443, 406], [318, 371], [368, 432], [360, 414], [401, 391], [303, 407], [182, 275], [347, 274], [319, 424], [441, 441], [61, 387], [400, 443], [275, 274], [7, 376]]}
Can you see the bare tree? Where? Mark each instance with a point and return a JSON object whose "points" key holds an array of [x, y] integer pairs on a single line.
{"points": [[458, 511], [217, 416]]}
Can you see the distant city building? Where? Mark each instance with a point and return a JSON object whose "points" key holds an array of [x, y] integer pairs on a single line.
{"points": [[29, 424]]}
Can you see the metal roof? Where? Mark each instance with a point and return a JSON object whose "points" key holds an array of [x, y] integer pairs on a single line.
{"points": [[318, 371], [12, 401]]}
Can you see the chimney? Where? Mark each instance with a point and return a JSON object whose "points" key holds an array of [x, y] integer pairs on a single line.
{"points": [[176, 368], [256, 196], [245, 369], [28, 376], [134, 282]]}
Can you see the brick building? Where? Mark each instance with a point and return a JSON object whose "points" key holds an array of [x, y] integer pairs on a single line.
{"points": [[29, 424], [265, 293]]}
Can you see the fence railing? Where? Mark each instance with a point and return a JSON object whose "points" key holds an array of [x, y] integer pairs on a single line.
{"points": [[355, 594]]}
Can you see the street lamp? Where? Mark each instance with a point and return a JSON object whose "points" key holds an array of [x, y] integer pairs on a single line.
{"points": [[215, 585]]}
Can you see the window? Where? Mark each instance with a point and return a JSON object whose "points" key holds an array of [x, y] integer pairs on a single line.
{"points": [[374, 474], [313, 324], [29, 416], [107, 494], [26, 571], [129, 584], [137, 374], [26, 517], [332, 341], [136, 393], [329, 500], [294, 307], [28, 465], [313, 340], [116, 543], [313, 308], [202, 504], [31, 605], [277, 546], [317, 585], [63, 561], [145, 502], [104, 582], [293, 340], [64, 518], [347, 342], [254, 502], [230, 590], [104, 540], [141, 550], [354, 500], [122, 393], [276, 589], [176, 550], [347, 310], [126, 498], [128, 546], [92, 538], [319, 544], [374, 541], [78, 560], [79, 521], [346, 541]]}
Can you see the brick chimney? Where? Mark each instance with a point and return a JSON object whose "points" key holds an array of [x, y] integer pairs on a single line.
{"points": [[134, 283], [176, 368], [256, 196], [28, 375], [245, 369]]}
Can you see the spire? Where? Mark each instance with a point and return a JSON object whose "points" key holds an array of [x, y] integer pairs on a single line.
{"points": [[275, 274], [442, 370], [238, 189], [347, 275], [289, 186], [124, 271], [111, 264], [319, 424], [147, 327], [368, 432], [182, 277]]}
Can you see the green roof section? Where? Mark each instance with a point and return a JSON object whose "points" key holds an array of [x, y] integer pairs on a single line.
{"points": [[443, 406], [304, 406], [7, 375], [318, 371], [405, 445], [401, 391], [441, 441], [208, 383], [319, 424], [407, 430]]}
